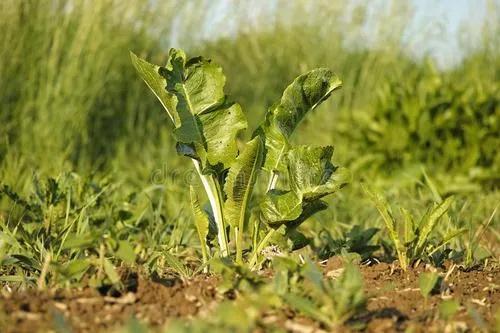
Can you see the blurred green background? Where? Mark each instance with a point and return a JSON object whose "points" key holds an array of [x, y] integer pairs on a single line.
{"points": [[418, 115], [70, 100]]}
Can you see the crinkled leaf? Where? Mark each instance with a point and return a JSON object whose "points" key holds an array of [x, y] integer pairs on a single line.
{"points": [[279, 207], [291, 239], [206, 125], [240, 181], [286, 208], [186, 85], [312, 174], [300, 97], [220, 129], [196, 81], [207, 122]]}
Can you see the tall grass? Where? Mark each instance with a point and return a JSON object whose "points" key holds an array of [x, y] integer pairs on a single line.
{"points": [[67, 93]]}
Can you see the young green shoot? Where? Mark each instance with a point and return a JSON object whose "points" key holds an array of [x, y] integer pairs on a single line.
{"points": [[412, 243]]}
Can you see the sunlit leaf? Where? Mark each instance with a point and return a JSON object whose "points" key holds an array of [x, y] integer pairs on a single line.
{"points": [[240, 182], [312, 174], [206, 124], [302, 96], [157, 83]]}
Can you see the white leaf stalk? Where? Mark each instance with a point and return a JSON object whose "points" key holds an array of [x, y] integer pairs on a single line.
{"points": [[215, 198]]}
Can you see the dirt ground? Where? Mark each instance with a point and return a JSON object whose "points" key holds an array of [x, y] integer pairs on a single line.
{"points": [[396, 304]]}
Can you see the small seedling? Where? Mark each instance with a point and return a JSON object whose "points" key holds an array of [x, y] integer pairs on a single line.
{"points": [[473, 253], [206, 125], [331, 302], [414, 243]]}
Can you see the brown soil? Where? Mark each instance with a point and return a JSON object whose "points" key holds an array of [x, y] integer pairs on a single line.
{"points": [[152, 301], [396, 304]]}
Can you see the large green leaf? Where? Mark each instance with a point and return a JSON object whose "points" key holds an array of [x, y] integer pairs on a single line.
{"points": [[197, 87], [207, 121], [279, 207], [312, 174], [157, 83], [206, 124], [220, 129], [240, 182], [302, 96], [309, 208]]}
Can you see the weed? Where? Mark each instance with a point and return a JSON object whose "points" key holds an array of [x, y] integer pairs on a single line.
{"points": [[415, 242], [332, 302], [472, 256], [355, 240]]}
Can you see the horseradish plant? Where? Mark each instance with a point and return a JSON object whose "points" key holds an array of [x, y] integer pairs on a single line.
{"points": [[206, 126]]}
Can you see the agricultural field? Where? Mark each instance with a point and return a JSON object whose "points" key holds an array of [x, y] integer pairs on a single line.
{"points": [[213, 166]]}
